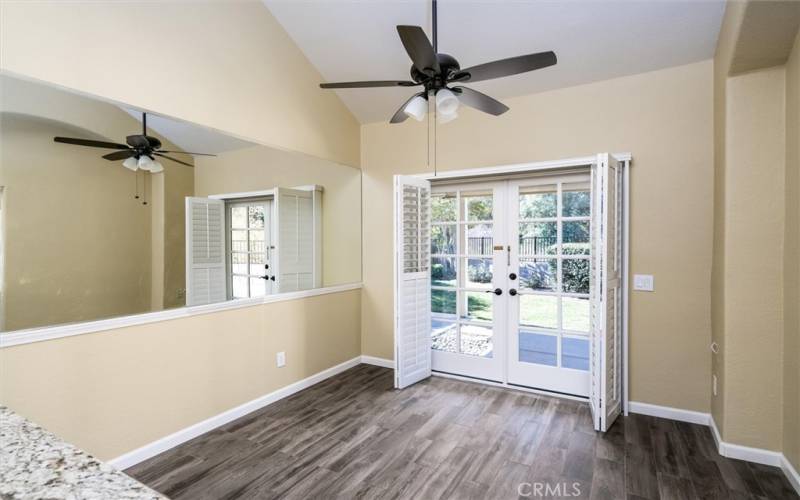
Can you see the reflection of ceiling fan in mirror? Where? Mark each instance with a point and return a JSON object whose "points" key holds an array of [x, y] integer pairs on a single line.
{"points": [[436, 72], [139, 153]]}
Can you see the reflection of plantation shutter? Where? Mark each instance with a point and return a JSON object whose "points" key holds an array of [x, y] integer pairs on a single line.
{"points": [[205, 251], [606, 332], [412, 280], [294, 239]]}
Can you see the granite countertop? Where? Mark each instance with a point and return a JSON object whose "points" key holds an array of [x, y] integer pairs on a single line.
{"points": [[35, 463]]}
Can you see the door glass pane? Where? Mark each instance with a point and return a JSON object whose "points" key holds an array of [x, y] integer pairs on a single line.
{"points": [[443, 207], [538, 310], [444, 335], [240, 287], [537, 348], [537, 202], [476, 340], [443, 301], [575, 353], [239, 263], [443, 271], [538, 274], [239, 241], [257, 264], [443, 239], [256, 216], [479, 273], [538, 238], [477, 206], [479, 306], [239, 217], [575, 314], [257, 287], [576, 238], [257, 241], [575, 275], [576, 200], [479, 239]]}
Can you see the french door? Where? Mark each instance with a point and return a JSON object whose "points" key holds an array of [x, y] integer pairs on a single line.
{"points": [[549, 303], [468, 280], [510, 265], [250, 248]]}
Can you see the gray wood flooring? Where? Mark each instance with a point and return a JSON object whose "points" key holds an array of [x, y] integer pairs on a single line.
{"points": [[354, 436]]}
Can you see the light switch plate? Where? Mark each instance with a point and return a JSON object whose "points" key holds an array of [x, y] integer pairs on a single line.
{"points": [[643, 282], [281, 359]]}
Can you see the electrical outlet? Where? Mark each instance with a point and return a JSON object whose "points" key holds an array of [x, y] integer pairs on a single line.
{"points": [[281, 359], [643, 282], [714, 384]]}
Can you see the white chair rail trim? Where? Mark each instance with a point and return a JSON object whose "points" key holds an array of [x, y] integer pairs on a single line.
{"points": [[31, 335]]}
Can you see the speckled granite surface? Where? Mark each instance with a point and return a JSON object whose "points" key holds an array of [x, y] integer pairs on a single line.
{"points": [[35, 463]]}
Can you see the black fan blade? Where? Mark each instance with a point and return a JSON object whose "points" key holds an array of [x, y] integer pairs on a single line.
{"points": [[119, 155], [400, 116], [154, 143], [507, 67], [479, 101], [137, 141], [184, 153], [419, 49], [90, 143], [376, 83], [173, 159]]}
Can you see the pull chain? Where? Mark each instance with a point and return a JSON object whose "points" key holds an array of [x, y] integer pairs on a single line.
{"points": [[144, 189], [136, 177]]}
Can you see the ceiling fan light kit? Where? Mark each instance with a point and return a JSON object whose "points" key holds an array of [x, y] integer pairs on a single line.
{"points": [[436, 71], [416, 108]]}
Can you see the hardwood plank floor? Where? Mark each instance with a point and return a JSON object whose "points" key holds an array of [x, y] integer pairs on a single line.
{"points": [[354, 436]]}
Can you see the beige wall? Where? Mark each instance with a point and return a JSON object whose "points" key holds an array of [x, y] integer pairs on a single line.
{"points": [[259, 168], [754, 226], [59, 200], [664, 119], [112, 392], [723, 57], [227, 65], [791, 260]]}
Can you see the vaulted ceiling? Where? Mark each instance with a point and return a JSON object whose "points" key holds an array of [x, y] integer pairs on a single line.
{"points": [[593, 39]]}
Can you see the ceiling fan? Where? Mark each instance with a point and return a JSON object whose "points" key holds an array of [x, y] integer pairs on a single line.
{"points": [[437, 72], [139, 153]]}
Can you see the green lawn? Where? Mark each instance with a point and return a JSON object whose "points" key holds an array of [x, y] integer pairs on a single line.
{"points": [[536, 310]]}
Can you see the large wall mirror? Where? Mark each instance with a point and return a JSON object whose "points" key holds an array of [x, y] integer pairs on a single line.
{"points": [[140, 224]]}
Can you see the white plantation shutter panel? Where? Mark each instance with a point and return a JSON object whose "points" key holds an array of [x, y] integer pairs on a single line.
{"points": [[412, 281], [606, 332], [205, 251], [295, 239]]}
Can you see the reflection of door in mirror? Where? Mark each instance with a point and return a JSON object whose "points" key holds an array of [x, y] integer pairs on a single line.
{"points": [[249, 235]]}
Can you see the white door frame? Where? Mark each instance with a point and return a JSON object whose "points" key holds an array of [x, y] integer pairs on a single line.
{"points": [[559, 165]]}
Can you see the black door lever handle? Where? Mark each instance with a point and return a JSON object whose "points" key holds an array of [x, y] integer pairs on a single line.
{"points": [[512, 292], [496, 291]]}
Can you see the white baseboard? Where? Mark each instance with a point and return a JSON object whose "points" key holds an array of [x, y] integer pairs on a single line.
{"points": [[372, 360], [161, 445], [746, 453], [693, 417], [791, 473]]}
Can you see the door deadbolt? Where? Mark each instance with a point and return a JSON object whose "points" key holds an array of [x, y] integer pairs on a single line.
{"points": [[512, 276]]}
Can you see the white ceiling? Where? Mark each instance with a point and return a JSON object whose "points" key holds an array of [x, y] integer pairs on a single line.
{"points": [[188, 136], [593, 40]]}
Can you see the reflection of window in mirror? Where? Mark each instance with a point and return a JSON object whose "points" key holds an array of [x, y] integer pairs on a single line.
{"points": [[249, 245], [266, 242]]}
